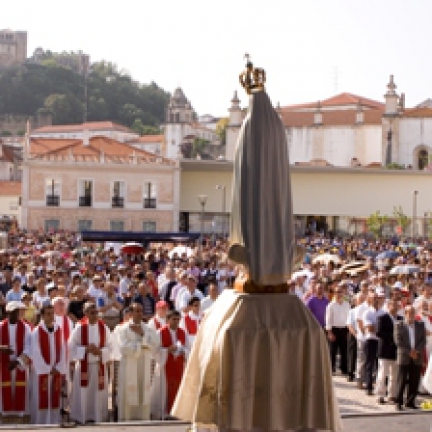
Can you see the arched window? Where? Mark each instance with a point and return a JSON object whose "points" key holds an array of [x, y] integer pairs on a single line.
{"points": [[422, 159]]}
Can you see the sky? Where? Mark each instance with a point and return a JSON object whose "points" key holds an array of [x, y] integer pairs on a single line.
{"points": [[310, 49]]}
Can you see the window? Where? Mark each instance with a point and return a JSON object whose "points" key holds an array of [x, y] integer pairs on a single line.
{"points": [[85, 225], [423, 159], [150, 195], [118, 194], [52, 225], [117, 225], [85, 191], [149, 226], [52, 192]]}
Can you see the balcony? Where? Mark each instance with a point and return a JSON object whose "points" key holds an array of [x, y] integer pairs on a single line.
{"points": [[150, 203], [117, 202], [52, 200], [85, 201]]}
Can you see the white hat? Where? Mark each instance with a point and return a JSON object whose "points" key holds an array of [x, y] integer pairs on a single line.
{"points": [[398, 285], [13, 305], [380, 292]]}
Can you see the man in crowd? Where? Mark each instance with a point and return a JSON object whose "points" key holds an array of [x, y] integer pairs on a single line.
{"points": [[48, 364], [352, 337], [337, 332], [90, 350], [317, 304], [145, 298], [191, 319], [170, 358], [137, 343], [387, 368], [410, 339], [14, 369], [159, 319], [213, 293], [190, 291]]}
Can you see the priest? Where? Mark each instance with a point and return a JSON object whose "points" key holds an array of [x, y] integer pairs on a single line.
{"points": [[14, 369], [191, 320], [48, 366], [90, 350], [137, 343], [159, 319], [170, 362]]}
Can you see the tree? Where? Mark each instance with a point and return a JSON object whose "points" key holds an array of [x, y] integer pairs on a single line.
{"points": [[376, 222], [221, 127], [64, 108], [199, 146], [402, 219], [143, 129]]}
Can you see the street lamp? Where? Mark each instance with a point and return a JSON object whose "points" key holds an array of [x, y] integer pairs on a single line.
{"points": [[414, 215], [202, 200], [425, 225], [223, 189]]}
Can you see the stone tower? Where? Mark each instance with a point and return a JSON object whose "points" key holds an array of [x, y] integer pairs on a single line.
{"points": [[179, 117], [13, 48], [390, 122], [233, 127]]}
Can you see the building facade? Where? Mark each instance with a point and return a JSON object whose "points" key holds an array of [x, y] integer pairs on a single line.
{"points": [[13, 48], [101, 184]]}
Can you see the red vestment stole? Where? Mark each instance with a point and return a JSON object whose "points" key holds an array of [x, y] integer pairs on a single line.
{"points": [[56, 382], [66, 329], [84, 362], [157, 323], [191, 325], [16, 403], [174, 366]]}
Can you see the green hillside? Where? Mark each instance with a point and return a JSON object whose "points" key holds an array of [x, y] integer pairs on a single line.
{"points": [[112, 95]]}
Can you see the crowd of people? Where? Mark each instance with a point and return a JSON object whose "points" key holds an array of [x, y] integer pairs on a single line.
{"points": [[96, 334]]}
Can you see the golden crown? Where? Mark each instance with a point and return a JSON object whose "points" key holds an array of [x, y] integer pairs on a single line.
{"points": [[252, 79]]}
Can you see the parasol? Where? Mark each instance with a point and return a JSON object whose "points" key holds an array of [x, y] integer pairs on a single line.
{"points": [[180, 251], [326, 258], [132, 248], [387, 255], [404, 270]]}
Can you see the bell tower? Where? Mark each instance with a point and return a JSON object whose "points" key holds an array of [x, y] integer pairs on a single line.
{"points": [[233, 127], [178, 120]]}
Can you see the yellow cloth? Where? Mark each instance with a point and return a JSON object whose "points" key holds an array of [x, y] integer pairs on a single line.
{"points": [[260, 361]]}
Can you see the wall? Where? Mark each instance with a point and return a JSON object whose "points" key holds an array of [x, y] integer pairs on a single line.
{"points": [[414, 132]]}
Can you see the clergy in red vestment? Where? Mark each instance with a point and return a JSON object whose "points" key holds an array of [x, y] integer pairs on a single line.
{"points": [[90, 350], [159, 320], [171, 358], [47, 353], [191, 319], [14, 370]]}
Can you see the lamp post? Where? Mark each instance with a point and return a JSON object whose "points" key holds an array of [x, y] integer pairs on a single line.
{"points": [[425, 226], [414, 215], [202, 200], [223, 189]]}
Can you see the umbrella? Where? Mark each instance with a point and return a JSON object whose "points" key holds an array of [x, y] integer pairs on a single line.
{"points": [[404, 269], [180, 251], [387, 255], [355, 270], [369, 253], [352, 265], [50, 254], [301, 273], [326, 258], [132, 248]]}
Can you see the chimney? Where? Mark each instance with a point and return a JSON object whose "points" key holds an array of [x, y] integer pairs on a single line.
{"points": [[86, 137], [359, 113], [318, 119]]}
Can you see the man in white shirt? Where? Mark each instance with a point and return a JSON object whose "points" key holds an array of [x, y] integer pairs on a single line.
{"points": [[352, 336], [337, 331], [426, 296], [124, 280], [95, 291], [191, 291], [213, 293]]}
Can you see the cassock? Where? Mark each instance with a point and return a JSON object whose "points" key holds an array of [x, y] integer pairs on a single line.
{"points": [[169, 370], [190, 323], [134, 382], [47, 351], [89, 396], [14, 394]]}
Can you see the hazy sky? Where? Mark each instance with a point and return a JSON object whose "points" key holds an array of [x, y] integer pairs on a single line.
{"points": [[311, 49]]}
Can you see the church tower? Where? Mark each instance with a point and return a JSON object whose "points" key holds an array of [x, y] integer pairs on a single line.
{"points": [[390, 123], [233, 127], [178, 120]]}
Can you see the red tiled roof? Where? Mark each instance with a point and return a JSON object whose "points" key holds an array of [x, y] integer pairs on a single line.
{"points": [[98, 145], [329, 118], [91, 126], [7, 154], [338, 100], [151, 138], [10, 188], [418, 112]]}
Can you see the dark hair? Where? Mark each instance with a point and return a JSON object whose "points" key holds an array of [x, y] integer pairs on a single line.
{"points": [[173, 313], [45, 307], [193, 300]]}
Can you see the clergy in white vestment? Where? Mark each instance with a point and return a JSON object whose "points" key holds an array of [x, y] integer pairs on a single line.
{"points": [[48, 366], [90, 350], [170, 362], [14, 346], [159, 320], [190, 321], [138, 343], [61, 319]]}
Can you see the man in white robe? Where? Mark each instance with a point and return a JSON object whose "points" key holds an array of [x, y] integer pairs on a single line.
{"points": [[14, 370], [137, 343], [191, 319], [159, 320], [90, 350], [47, 353]]}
